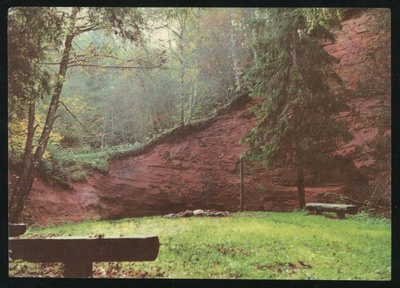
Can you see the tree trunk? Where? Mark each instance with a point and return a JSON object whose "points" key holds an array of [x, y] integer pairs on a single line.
{"points": [[103, 136], [28, 175], [31, 134], [299, 154], [253, 34], [193, 95], [23, 177], [299, 166], [235, 65], [182, 83], [189, 117], [294, 48], [112, 125]]}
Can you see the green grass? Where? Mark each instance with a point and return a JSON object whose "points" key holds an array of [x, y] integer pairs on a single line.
{"points": [[257, 245]]}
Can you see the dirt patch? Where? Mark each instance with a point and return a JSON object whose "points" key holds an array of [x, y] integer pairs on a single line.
{"points": [[282, 267]]}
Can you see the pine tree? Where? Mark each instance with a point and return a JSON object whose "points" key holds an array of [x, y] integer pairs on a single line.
{"points": [[293, 75]]}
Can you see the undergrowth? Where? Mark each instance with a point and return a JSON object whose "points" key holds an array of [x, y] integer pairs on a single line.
{"points": [[64, 166], [256, 245], [73, 165]]}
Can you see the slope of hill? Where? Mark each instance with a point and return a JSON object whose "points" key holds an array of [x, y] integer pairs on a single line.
{"points": [[200, 168]]}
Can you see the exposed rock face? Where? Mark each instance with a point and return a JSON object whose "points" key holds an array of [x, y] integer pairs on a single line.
{"points": [[201, 170], [365, 67], [198, 171]]}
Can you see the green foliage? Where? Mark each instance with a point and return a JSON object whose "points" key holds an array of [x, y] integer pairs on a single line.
{"points": [[78, 176], [249, 245], [294, 76], [125, 106], [72, 165], [366, 218], [97, 161], [320, 20], [110, 107], [54, 167], [30, 32]]}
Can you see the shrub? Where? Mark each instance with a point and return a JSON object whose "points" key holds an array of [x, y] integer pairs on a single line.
{"points": [[101, 165], [78, 176]]}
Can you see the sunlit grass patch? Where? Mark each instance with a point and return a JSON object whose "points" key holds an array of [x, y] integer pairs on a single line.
{"points": [[260, 245]]}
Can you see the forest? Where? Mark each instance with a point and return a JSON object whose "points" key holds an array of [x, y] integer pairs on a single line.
{"points": [[87, 84]]}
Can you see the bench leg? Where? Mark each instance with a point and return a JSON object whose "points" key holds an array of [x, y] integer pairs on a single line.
{"points": [[340, 215], [78, 270], [318, 212]]}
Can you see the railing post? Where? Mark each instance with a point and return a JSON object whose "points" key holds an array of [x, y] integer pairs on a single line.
{"points": [[241, 185], [75, 269]]}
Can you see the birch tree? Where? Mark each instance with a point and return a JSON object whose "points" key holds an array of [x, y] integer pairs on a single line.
{"points": [[47, 27]]}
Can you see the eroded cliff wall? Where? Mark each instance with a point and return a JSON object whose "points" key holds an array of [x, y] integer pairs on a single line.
{"points": [[201, 169]]}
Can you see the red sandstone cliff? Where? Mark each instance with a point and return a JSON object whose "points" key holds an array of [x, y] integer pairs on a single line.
{"points": [[201, 170]]}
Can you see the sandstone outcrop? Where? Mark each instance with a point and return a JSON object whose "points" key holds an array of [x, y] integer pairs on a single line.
{"points": [[200, 170]]}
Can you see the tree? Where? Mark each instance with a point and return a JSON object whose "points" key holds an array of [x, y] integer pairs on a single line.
{"points": [[28, 82], [300, 90], [179, 18], [60, 23], [220, 46], [27, 94], [233, 49]]}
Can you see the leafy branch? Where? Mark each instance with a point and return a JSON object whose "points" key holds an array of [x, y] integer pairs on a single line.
{"points": [[76, 119]]}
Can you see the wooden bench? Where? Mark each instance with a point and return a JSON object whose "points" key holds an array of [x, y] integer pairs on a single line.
{"points": [[340, 209], [78, 253]]}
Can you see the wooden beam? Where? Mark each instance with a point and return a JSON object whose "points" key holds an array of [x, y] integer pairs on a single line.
{"points": [[241, 185], [16, 229], [80, 250]]}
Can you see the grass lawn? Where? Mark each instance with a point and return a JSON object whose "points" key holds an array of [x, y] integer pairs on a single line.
{"points": [[251, 245]]}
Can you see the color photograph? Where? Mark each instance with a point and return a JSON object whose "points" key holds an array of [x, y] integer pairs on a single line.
{"points": [[199, 143]]}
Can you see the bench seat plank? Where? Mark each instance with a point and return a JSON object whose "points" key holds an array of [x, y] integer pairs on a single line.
{"points": [[340, 209], [75, 250]]}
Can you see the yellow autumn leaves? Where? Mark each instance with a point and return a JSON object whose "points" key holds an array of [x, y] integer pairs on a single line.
{"points": [[18, 131]]}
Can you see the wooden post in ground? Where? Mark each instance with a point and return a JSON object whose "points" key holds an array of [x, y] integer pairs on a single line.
{"points": [[241, 185], [81, 269]]}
